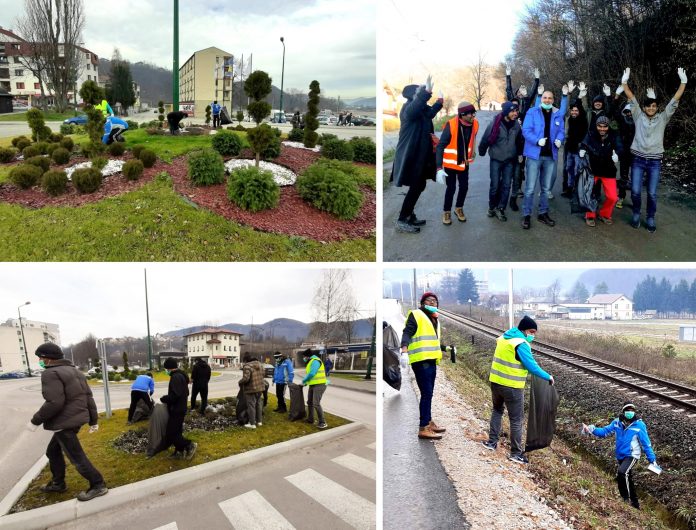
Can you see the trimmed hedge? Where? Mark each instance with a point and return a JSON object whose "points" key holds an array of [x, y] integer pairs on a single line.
{"points": [[206, 167], [51, 148], [7, 154], [136, 150], [296, 135], [25, 175], [87, 180], [253, 189], [55, 137], [42, 147], [116, 149], [39, 161], [23, 144], [227, 143], [54, 182], [30, 150], [68, 143], [60, 155], [133, 169], [364, 149], [330, 190], [337, 149], [147, 157], [132, 125], [326, 136], [18, 139], [99, 162], [272, 150]]}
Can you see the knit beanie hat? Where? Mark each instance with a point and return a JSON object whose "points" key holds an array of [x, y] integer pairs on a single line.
{"points": [[428, 294], [598, 99], [465, 107], [527, 323], [603, 120], [49, 351], [509, 106], [170, 363], [627, 108]]}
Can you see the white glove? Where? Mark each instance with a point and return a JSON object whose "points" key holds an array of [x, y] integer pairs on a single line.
{"points": [[520, 158], [582, 153], [440, 95], [565, 90], [536, 73], [540, 90], [682, 75], [558, 143], [583, 89], [31, 427], [619, 90], [614, 157], [508, 70], [606, 90], [523, 91], [650, 92], [429, 84], [93, 428], [626, 75], [551, 381], [441, 176], [542, 142], [571, 86]]}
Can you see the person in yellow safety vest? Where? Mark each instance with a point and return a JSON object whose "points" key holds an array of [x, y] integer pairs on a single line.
{"points": [[421, 340], [512, 361], [454, 154], [105, 108], [316, 381]]}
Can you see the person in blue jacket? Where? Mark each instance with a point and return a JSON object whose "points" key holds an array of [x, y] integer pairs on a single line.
{"points": [[631, 435], [282, 377], [113, 130], [142, 388], [216, 114], [544, 132]]}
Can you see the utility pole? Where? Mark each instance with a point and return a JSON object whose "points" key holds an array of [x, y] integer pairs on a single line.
{"points": [[282, 77], [175, 77], [147, 316], [24, 342]]}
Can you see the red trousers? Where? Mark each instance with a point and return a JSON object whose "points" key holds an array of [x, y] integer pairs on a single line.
{"points": [[611, 196]]}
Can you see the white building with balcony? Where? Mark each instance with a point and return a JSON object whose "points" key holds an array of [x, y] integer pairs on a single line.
{"points": [[219, 346], [616, 306]]}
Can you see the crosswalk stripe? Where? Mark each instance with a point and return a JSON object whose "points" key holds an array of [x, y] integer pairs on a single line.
{"points": [[347, 505], [170, 526], [358, 464], [251, 511], [373, 445]]}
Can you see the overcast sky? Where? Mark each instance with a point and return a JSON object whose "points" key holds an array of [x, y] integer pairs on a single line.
{"points": [[332, 42], [108, 300], [416, 38]]}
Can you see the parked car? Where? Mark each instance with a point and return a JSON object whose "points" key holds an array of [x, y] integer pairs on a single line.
{"points": [[328, 120], [77, 120], [268, 370], [364, 121], [15, 374]]}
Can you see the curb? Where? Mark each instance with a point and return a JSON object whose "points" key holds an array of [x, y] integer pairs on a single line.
{"points": [[349, 387], [71, 510], [20, 487]]}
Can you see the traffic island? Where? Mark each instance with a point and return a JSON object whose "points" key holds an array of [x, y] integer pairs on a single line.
{"points": [[118, 452]]}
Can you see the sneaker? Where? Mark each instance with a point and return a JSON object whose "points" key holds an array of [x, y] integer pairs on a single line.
{"points": [[635, 222], [447, 218], [188, 453], [177, 455], [52, 487], [424, 433], [490, 445], [589, 221], [459, 212], [322, 425], [549, 195], [435, 428], [249, 426], [491, 212], [520, 459], [606, 220], [91, 493], [544, 218], [513, 204], [413, 220], [500, 214], [259, 424], [403, 226], [619, 204], [527, 222], [311, 422], [651, 225]]}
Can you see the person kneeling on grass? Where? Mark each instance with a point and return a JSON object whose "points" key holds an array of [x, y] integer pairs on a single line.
{"points": [[177, 402], [68, 406], [631, 435]]}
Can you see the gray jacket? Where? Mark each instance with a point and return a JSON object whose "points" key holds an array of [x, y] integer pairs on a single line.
{"points": [[650, 132], [68, 399], [508, 145]]}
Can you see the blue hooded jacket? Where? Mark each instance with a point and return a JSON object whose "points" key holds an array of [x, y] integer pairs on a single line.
{"points": [[144, 383], [524, 354], [110, 123], [279, 372], [629, 439], [533, 129]]}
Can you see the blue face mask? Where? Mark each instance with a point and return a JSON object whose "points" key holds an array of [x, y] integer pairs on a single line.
{"points": [[42, 364], [430, 309], [530, 338], [546, 106], [629, 414], [168, 372]]}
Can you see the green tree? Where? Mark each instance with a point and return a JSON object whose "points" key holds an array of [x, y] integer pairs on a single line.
{"points": [[260, 137], [126, 369], [579, 294], [92, 93], [121, 87], [311, 121], [680, 297], [601, 288], [160, 116], [258, 86], [208, 114], [240, 116], [467, 289]]}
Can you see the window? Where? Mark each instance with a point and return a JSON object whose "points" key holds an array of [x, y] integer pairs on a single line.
{"points": [[37, 86], [19, 332], [16, 59], [15, 46], [89, 66], [89, 78], [20, 86], [19, 73], [87, 55]]}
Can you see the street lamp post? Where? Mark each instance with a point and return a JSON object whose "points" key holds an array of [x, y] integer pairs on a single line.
{"points": [[282, 76], [469, 307], [24, 342]]}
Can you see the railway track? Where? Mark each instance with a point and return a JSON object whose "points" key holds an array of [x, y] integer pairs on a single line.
{"points": [[682, 397]]}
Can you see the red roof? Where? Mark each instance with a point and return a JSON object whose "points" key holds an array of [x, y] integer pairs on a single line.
{"points": [[214, 330]]}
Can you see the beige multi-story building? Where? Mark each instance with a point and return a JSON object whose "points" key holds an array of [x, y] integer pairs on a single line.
{"points": [[12, 355], [218, 346], [205, 77], [616, 306], [19, 80]]}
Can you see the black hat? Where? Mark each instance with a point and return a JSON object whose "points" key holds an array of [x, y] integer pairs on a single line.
{"points": [[409, 91], [598, 99], [527, 323], [49, 351], [170, 363], [428, 294]]}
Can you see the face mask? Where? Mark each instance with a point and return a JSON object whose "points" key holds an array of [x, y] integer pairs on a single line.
{"points": [[168, 372], [430, 309], [629, 414], [42, 364], [529, 338], [546, 106]]}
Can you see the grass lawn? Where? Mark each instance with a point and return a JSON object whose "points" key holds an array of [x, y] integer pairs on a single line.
{"points": [[168, 147], [120, 468], [352, 377], [153, 223], [48, 116], [158, 377]]}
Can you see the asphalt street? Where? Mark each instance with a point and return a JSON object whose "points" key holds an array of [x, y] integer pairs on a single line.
{"points": [[482, 238]]}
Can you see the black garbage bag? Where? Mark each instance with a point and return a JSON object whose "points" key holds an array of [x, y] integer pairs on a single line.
{"points": [[585, 193], [157, 429], [297, 402], [142, 410], [225, 117], [391, 348], [541, 425], [266, 385], [242, 414]]}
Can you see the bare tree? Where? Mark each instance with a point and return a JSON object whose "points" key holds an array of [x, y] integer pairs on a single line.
{"points": [[333, 301], [479, 73], [54, 29], [553, 291]]}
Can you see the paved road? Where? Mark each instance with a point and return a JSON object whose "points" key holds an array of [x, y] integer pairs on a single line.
{"points": [[486, 239]]}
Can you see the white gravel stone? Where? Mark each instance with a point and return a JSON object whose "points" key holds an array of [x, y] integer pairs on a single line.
{"points": [[300, 145], [282, 175], [111, 168]]}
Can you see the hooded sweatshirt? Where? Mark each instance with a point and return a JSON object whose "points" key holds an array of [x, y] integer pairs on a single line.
{"points": [[629, 438], [523, 353]]}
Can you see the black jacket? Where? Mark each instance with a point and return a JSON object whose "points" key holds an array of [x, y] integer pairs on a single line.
{"points": [[200, 374], [600, 152], [577, 129], [177, 394], [525, 103]]}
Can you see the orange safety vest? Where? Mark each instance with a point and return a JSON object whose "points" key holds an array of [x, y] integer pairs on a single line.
{"points": [[449, 157]]}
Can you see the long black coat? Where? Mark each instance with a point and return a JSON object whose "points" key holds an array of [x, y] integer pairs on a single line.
{"points": [[177, 395], [415, 157]]}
